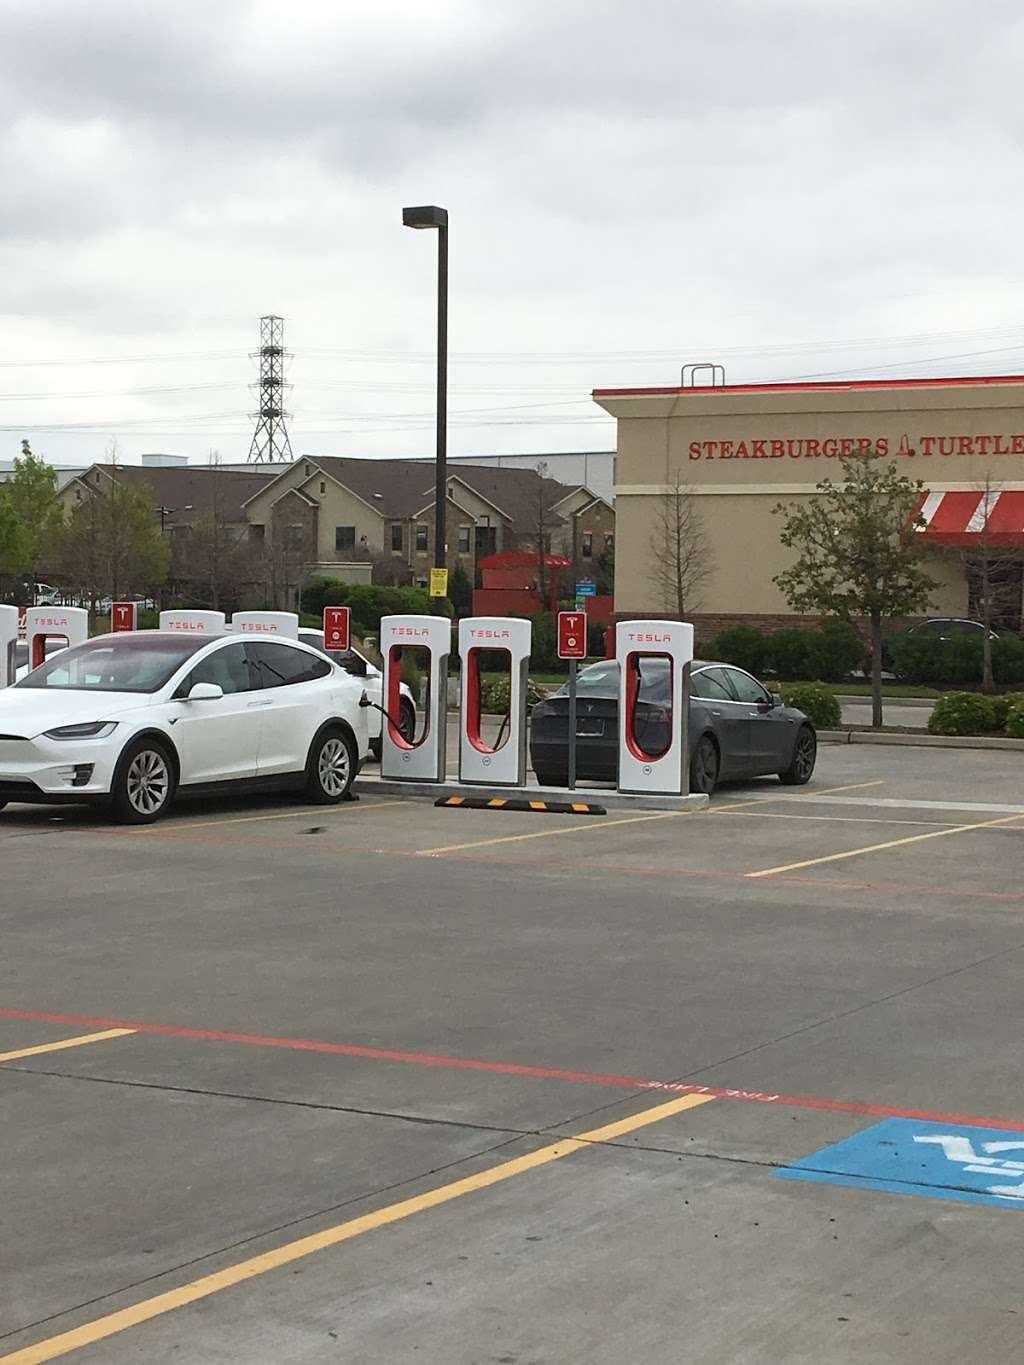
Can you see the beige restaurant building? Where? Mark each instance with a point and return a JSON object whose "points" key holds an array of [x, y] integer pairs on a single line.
{"points": [[741, 449]]}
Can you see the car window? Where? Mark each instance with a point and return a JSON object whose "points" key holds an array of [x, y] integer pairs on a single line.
{"points": [[279, 665], [710, 685], [348, 659], [228, 668], [745, 687], [601, 678], [139, 662]]}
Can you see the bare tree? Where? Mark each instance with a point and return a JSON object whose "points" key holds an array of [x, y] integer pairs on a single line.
{"points": [[991, 568], [683, 558], [546, 521]]}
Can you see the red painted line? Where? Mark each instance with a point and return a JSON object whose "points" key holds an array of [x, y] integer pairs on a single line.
{"points": [[517, 1069]]}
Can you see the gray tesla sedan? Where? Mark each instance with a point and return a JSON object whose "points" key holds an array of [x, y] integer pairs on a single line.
{"points": [[737, 728]]}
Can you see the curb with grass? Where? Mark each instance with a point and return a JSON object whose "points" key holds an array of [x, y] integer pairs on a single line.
{"points": [[921, 740]]}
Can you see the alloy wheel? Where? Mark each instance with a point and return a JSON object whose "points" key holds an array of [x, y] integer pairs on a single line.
{"points": [[148, 782], [334, 766], [806, 753], [705, 767]]}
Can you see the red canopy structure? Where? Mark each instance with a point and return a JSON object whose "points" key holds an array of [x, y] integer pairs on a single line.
{"points": [[961, 519], [519, 570]]}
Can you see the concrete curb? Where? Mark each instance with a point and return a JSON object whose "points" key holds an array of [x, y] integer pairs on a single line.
{"points": [[371, 785], [922, 741], [848, 699]]}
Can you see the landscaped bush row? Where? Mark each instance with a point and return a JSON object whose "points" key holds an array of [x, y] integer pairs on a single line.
{"points": [[819, 705], [974, 713], [368, 604], [828, 654], [924, 658]]}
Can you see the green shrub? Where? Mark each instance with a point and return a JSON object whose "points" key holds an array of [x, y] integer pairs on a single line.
{"points": [[788, 653], [1015, 722], [818, 704], [740, 645], [962, 713], [1002, 705], [1008, 660], [323, 592], [834, 651], [494, 694]]}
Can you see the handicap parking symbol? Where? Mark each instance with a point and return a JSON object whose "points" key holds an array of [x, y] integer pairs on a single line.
{"points": [[935, 1160]]}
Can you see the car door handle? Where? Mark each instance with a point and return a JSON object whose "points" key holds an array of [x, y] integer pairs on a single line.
{"points": [[253, 704], [716, 713]]}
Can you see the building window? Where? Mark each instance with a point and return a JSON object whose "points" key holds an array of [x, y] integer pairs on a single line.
{"points": [[588, 545], [257, 532], [396, 536], [323, 486], [609, 540], [464, 540], [421, 539], [344, 538], [294, 536]]}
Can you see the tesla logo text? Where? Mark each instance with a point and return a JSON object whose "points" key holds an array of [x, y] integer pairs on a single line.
{"points": [[648, 637], [186, 625], [51, 621], [411, 631], [256, 625], [491, 634]]}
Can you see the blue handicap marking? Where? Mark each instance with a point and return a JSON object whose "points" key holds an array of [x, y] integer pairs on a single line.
{"points": [[937, 1160]]}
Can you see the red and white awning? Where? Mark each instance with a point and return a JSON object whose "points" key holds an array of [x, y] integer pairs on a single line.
{"points": [[961, 518]]}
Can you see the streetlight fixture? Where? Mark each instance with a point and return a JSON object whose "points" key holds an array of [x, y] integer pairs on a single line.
{"points": [[431, 217]]}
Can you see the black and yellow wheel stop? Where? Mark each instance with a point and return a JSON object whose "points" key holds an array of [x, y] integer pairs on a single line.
{"points": [[519, 803]]}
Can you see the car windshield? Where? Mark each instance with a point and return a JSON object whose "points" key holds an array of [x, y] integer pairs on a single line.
{"points": [[140, 662], [603, 680]]}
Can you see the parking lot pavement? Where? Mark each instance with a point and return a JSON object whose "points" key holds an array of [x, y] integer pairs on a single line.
{"points": [[385, 1082]]}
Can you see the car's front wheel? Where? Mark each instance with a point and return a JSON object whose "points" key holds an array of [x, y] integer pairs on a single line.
{"points": [[704, 766], [805, 755], [143, 785], [331, 768]]}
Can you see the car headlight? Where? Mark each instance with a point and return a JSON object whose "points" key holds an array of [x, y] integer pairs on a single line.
{"points": [[90, 729]]}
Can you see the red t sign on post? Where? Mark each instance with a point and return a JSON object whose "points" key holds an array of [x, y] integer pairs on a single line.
{"points": [[572, 635], [123, 616], [336, 627], [572, 645]]}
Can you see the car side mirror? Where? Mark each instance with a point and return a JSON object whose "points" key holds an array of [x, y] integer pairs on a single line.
{"points": [[205, 692], [355, 666], [777, 699]]}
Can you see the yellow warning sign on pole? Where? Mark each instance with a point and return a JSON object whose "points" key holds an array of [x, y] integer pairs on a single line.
{"points": [[439, 582]]}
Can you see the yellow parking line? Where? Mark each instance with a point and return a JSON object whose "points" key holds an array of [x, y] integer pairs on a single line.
{"points": [[101, 1328], [66, 1042], [878, 848], [627, 820], [346, 809], [551, 833]]}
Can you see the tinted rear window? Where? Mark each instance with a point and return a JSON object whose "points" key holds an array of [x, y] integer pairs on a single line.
{"points": [[131, 662]]}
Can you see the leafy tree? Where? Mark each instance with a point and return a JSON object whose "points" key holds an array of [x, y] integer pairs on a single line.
{"points": [[460, 591], [32, 494], [112, 544], [858, 551], [15, 542]]}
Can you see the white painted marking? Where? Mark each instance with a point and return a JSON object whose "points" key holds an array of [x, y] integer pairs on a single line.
{"points": [[900, 803]]}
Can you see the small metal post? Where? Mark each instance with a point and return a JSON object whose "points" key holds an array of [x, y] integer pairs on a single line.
{"points": [[572, 724]]}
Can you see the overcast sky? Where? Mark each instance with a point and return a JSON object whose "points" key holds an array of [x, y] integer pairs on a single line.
{"points": [[791, 187]]}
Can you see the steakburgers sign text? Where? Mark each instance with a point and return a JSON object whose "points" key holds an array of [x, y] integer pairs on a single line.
{"points": [[832, 447]]}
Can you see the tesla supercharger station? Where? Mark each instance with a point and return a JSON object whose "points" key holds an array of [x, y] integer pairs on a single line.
{"points": [[8, 644], [423, 760], [284, 625], [198, 622], [480, 763], [640, 770], [54, 623]]}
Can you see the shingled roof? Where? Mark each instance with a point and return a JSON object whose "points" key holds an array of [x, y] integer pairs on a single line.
{"points": [[406, 487], [192, 490]]}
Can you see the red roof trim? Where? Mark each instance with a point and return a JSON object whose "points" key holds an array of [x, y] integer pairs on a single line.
{"points": [[831, 386]]}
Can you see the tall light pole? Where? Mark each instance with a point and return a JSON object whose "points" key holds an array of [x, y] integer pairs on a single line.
{"points": [[430, 216]]}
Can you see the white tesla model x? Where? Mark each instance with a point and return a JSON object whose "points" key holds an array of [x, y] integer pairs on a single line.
{"points": [[129, 720]]}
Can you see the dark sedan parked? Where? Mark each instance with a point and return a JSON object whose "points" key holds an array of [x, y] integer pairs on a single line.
{"points": [[737, 729]]}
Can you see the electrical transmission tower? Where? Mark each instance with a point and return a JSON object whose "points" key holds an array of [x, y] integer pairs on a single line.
{"points": [[270, 439]]}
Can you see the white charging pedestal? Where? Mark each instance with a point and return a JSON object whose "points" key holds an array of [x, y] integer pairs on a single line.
{"points": [[284, 625], [8, 644], [70, 624], [665, 772], [481, 763], [194, 622], [423, 759]]}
